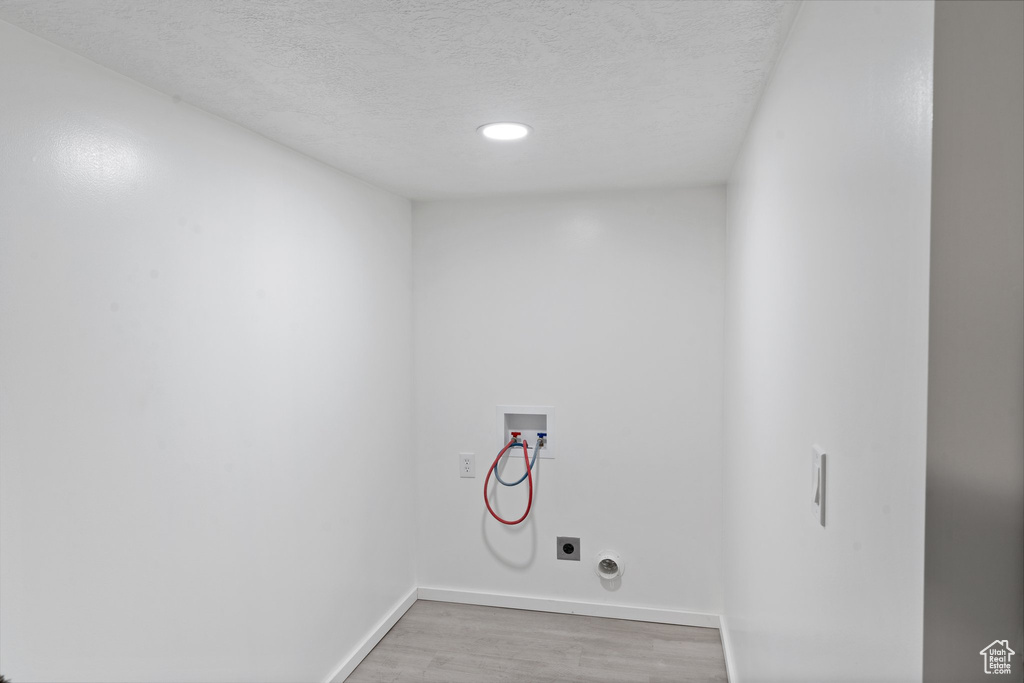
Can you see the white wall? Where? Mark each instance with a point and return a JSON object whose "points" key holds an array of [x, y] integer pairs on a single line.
{"points": [[206, 406], [609, 307], [827, 307], [974, 559]]}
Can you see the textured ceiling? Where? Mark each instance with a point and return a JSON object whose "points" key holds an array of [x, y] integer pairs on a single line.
{"points": [[620, 93]]}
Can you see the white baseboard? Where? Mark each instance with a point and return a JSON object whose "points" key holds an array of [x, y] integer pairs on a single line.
{"points": [[349, 664], [590, 609], [730, 667]]}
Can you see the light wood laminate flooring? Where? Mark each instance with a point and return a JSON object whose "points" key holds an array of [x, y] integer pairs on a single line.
{"points": [[444, 642]]}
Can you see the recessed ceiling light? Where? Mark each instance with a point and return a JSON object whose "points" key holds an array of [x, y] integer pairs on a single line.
{"points": [[504, 130]]}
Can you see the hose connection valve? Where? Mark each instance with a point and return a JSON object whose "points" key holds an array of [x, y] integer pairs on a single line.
{"points": [[542, 438]]}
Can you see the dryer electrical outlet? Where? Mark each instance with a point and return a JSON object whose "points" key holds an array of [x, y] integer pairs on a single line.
{"points": [[567, 548], [531, 421]]}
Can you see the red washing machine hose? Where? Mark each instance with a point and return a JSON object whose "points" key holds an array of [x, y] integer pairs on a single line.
{"points": [[529, 477]]}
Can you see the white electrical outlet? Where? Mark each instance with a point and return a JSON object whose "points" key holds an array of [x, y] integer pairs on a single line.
{"points": [[467, 465]]}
